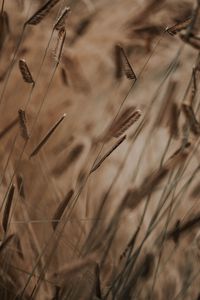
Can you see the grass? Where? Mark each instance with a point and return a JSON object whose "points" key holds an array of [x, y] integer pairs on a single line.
{"points": [[103, 202]]}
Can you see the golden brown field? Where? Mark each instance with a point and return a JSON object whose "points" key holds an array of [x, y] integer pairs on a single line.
{"points": [[99, 148]]}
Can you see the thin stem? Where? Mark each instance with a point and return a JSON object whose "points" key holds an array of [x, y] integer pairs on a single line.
{"points": [[2, 6]]}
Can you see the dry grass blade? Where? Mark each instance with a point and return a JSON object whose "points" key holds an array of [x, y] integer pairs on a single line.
{"points": [[111, 180], [191, 118], [127, 118], [75, 73], [152, 7], [147, 34], [22, 124], [127, 68], [193, 28], [98, 282], [64, 76], [179, 26], [19, 247], [147, 266], [69, 269], [134, 196], [20, 185], [71, 158], [46, 137], [116, 145], [63, 145], [180, 229], [81, 28], [164, 113], [178, 156], [61, 208], [196, 191], [61, 19], [6, 242], [7, 208], [4, 28], [195, 72], [8, 128], [191, 40], [2, 6], [148, 31], [143, 272], [59, 45], [173, 120], [21, 4], [40, 14], [2, 76], [118, 62], [26, 74]]}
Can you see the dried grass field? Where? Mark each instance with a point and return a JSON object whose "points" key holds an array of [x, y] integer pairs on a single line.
{"points": [[99, 149]]}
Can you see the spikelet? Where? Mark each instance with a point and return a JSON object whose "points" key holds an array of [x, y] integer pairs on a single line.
{"points": [[179, 26], [128, 70], [127, 118], [116, 145], [41, 13], [61, 19], [191, 118], [25, 72], [22, 124], [7, 208], [46, 137], [61, 208], [59, 45]]}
